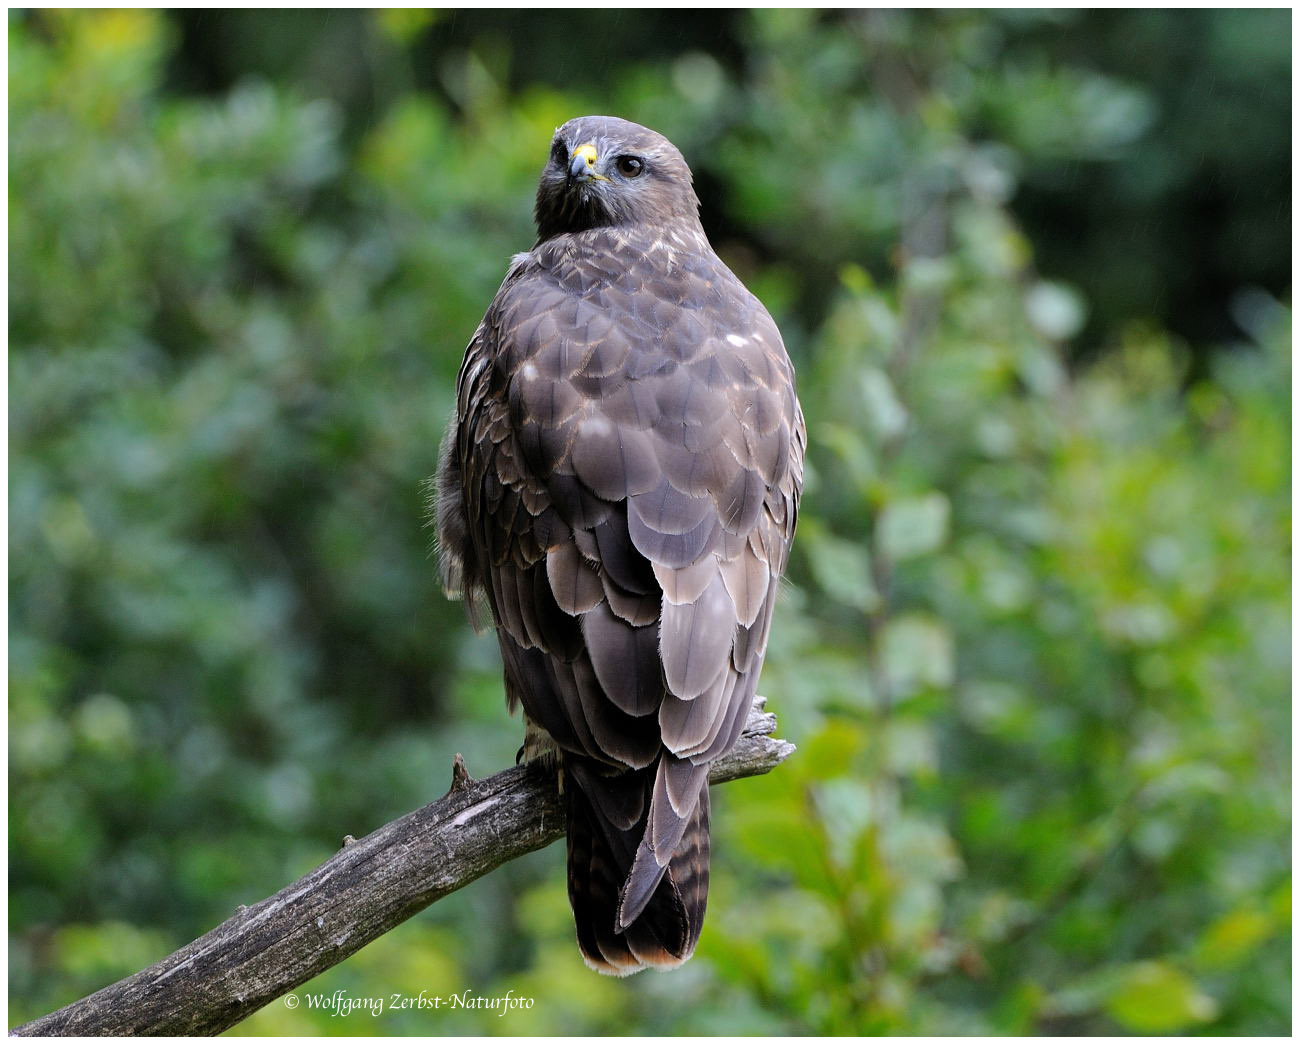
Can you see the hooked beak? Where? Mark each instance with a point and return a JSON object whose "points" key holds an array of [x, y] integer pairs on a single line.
{"points": [[582, 164]]}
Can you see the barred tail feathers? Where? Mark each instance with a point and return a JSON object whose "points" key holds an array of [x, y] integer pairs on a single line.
{"points": [[609, 819]]}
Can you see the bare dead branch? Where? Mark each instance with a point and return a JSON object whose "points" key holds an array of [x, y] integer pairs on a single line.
{"points": [[368, 887]]}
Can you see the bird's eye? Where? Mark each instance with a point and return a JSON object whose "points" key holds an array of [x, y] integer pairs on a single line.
{"points": [[629, 166], [560, 152]]}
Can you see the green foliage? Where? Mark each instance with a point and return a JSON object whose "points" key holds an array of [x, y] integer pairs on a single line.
{"points": [[1036, 647]]}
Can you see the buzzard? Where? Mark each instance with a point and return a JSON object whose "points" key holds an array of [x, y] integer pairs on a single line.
{"points": [[619, 484]]}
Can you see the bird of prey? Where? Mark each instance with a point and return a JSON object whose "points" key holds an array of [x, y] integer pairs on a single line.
{"points": [[619, 483]]}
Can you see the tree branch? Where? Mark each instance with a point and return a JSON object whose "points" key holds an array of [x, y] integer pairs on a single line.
{"points": [[367, 888]]}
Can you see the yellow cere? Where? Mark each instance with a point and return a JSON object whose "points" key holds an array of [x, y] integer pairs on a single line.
{"points": [[588, 153]]}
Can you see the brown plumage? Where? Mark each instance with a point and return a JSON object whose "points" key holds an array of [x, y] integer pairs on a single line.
{"points": [[620, 483]]}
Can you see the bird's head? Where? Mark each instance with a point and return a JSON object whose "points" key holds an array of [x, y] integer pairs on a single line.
{"points": [[605, 171]]}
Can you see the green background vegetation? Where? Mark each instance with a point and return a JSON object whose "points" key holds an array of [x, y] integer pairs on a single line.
{"points": [[1033, 270]]}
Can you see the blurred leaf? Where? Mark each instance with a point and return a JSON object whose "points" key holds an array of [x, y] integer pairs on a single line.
{"points": [[911, 527], [916, 652], [843, 569], [1156, 998], [1233, 937], [1056, 311], [832, 751], [885, 415]]}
